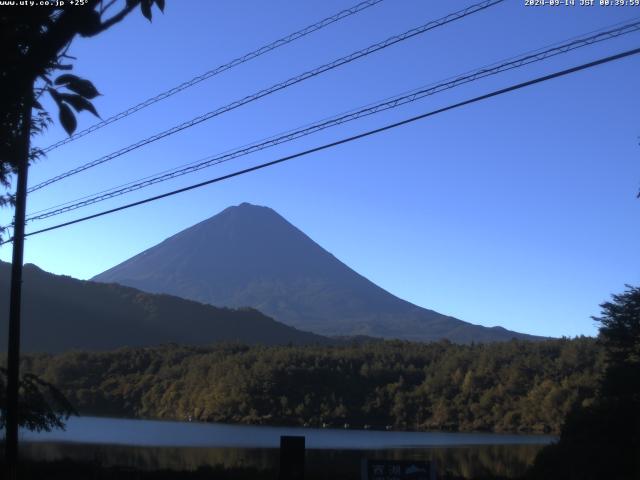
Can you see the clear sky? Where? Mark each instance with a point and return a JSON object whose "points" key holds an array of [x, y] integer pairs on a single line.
{"points": [[518, 211]]}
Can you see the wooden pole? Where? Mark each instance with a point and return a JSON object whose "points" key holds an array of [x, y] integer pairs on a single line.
{"points": [[292, 449], [13, 360]]}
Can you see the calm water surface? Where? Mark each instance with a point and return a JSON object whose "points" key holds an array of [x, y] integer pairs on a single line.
{"points": [[182, 434], [157, 445]]}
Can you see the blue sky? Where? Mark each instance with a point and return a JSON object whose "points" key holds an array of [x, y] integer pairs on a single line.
{"points": [[518, 211]]}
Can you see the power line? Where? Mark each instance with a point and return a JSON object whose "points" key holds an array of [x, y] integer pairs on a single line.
{"points": [[393, 102], [294, 80], [368, 133], [279, 86], [594, 36], [222, 68]]}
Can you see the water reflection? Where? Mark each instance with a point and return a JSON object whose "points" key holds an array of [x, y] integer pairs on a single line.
{"points": [[464, 461]]}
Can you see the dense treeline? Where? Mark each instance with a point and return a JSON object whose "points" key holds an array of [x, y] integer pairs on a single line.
{"points": [[503, 387], [602, 438]]}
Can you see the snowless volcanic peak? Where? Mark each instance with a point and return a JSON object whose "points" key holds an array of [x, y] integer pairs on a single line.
{"points": [[249, 255]]}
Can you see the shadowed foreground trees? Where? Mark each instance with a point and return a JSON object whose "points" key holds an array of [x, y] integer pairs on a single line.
{"points": [[42, 406], [35, 44], [602, 439], [35, 40]]}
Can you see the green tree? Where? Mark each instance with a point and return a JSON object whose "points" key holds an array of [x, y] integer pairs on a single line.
{"points": [[620, 336], [601, 439], [42, 406]]}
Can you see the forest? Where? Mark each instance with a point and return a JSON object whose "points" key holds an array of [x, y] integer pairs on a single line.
{"points": [[515, 386]]}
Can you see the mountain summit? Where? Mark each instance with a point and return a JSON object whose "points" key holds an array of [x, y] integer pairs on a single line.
{"points": [[250, 256]]}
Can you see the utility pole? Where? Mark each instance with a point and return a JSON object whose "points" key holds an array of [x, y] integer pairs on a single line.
{"points": [[13, 360]]}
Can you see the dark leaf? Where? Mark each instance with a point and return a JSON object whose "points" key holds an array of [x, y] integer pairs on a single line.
{"points": [[78, 85], [79, 103], [160, 4], [83, 87], [37, 105], [66, 78], [131, 3], [145, 6], [67, 119], [55, 95], [90, 24]]}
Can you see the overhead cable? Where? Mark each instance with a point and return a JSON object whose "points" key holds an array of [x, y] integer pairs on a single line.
{"points": [[368, 133], [393, 102], [275, 88], [222, 68]]}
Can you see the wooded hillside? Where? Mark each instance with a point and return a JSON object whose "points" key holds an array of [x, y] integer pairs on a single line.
{"points": [[513, 386]]}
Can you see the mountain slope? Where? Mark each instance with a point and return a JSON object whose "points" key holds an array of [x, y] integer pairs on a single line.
{"points": [[61, 313], [250, 256]]}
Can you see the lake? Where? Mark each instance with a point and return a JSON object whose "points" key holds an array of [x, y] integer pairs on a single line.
{"points": [[149, 444]]}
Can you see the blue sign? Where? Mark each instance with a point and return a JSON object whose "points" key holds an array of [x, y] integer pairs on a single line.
{"points": [[397, 470]]}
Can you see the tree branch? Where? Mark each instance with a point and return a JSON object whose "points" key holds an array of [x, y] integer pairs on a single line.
{"points": [[69, 23], [118, 17], [104, 8]]}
